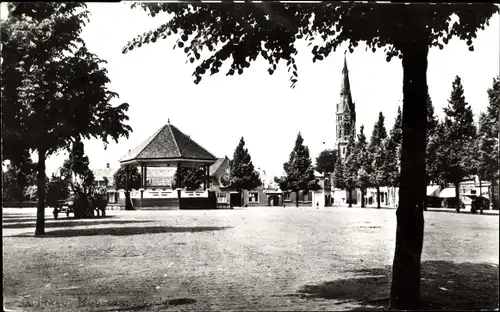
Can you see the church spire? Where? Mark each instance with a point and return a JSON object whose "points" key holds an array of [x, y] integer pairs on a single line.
{"points": [[345, 70], [346, 114], [345, 88]]}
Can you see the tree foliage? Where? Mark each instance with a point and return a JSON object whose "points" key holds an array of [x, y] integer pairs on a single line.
{"points": [[299, 171], [433, 145], [127, 178], [242, 174], [436, 154], [460, 138], [392, 147], [487, 155], [53, 88], [58, 188], [240, 33], [351, 167], [379, 156], [81, 179], [379, 133], [326, 160], [190, 178], [17, 179]]}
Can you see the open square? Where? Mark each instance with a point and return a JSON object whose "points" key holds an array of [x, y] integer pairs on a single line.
{"points": [[260, 258]]}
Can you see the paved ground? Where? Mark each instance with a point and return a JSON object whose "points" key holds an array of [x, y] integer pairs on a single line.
{"points": [[248, 259]]}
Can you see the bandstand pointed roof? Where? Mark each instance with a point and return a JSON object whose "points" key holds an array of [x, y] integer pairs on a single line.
{"points": [[168, 143]]}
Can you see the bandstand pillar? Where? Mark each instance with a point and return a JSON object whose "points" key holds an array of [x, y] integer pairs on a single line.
{"points": [[205, 182], [178, 184]]}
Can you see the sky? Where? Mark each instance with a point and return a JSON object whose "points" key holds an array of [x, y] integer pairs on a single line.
{"points": [[157, 82]]}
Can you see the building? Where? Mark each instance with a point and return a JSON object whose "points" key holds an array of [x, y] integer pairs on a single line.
{"points": [[268, 194], [157, 160], [105, 178], [467, 189], [345, 113]]}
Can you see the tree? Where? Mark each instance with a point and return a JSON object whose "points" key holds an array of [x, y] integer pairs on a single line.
{"points": [[242, 174], [364, 162], [299, 171], [127, 178], [460, 136], [487, 156], [17, 179], [436, 154], [190, 178], [58, 188], [53, 88], [379, 134], [393, 147], [339, 174], [351, 167], [430, 158], [81, 179], [239, 33], [325, 162]]}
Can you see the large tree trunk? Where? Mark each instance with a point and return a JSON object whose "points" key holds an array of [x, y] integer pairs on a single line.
{"points": [[405, 288], [128, 202], [457, 198], [363, 198], [378, 196], [350, 197], [40, 210], [297, 198]]}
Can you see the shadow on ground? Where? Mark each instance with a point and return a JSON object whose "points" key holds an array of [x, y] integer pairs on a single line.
{"points": [[75, 222], [122, 231], [444, 285], [31, 218]]}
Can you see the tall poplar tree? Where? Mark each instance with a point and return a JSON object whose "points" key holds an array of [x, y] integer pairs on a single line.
{"points": [[378, 155], [430, 156], [364, 160], [299, 170], [488, 138], [351, 167], [393, 147], [460, 136], [242, 174]]}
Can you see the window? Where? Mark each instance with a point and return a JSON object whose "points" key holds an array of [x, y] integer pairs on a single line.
{"points": [[343, 150], [253, 197], [286, 196], [473, 192]]}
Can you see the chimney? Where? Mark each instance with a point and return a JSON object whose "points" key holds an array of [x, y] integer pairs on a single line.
{"points": [[107, 165]]}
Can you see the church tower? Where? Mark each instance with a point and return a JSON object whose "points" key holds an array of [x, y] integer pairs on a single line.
{"points": [[346, 113]]}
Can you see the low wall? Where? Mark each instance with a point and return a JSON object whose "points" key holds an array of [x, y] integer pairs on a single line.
{"points": [[155, 203]]}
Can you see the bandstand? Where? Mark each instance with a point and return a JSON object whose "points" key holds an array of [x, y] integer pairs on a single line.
{"points": [[169, 148]]}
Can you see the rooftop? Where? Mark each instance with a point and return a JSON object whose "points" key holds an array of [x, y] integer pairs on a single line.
{"points": [[168, 142]]}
